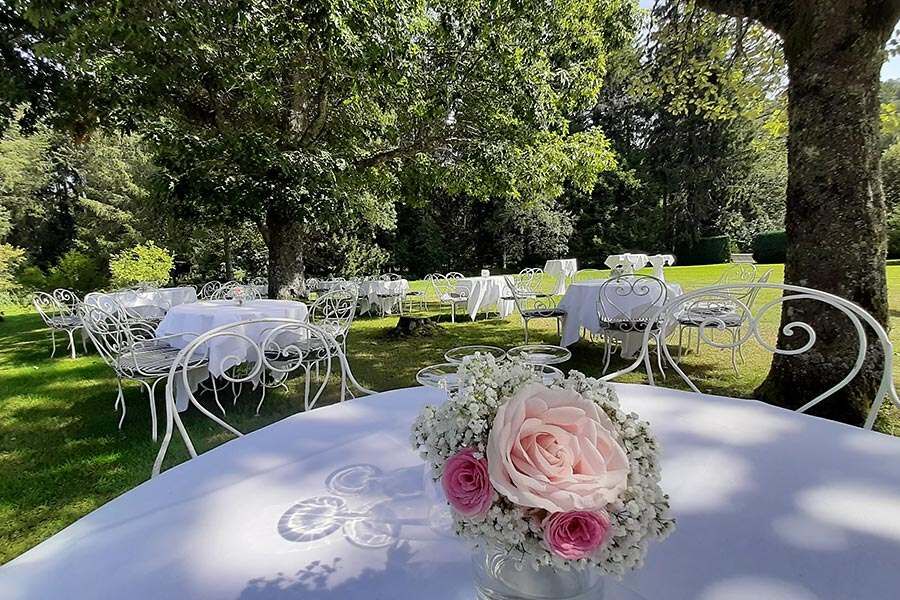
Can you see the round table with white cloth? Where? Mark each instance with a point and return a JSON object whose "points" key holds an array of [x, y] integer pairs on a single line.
{"points": [[148, 303], [223, 352], [562, 269], [580, 304], [486, 292], [384, 295], [331, 504], [627, 262]]}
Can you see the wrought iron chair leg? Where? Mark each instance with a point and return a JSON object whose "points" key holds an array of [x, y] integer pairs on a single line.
{"points": [[53, 340], [71, 341], [153, 425], [525, 321]]}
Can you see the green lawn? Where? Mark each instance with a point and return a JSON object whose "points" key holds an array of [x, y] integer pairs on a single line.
{"points": [[61, 454]]}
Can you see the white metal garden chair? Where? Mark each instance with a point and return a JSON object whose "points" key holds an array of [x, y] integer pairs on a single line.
{"points": [[334, 312], [857, 317], [531, 307], [133, 352], [59, 311], [627, 305], [287, 347], [233, 290], [208, 290], [448, 292], [530, 281]]}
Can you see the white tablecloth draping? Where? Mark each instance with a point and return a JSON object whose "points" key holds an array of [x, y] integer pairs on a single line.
{"points": [[147, 303], [331, 505], [369, 294], [631, 262], [561, 269], [580, 303], [485, 292], [226, 351], [658, 261]]}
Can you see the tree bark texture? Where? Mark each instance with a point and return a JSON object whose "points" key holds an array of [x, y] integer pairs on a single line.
{"points": [[835, 214], [287, 271]]}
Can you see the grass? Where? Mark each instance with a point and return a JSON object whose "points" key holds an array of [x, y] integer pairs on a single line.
{"points": [[62, 456]]}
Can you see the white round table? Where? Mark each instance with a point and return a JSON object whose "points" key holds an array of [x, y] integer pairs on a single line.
{"points": [[226, 351], [562, 269], [580, 304], [484, 292], [331, 505], [148, 303], [390, 292]]}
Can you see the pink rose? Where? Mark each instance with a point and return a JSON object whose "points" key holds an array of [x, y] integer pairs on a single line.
{"points": [[466, 484], [574, 535], [553, 449]]}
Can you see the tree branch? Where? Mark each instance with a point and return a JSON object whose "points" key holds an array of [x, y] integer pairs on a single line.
{"points": [[774, 14]]}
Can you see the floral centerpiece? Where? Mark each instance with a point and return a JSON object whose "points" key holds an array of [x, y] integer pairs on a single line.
{"points": [[558, 478]]}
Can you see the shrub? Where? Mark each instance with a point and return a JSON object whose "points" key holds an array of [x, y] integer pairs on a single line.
{"points": [[706, 251], [78, 272], [770, 247], [11, 258], [144, 262], [31, 278]]}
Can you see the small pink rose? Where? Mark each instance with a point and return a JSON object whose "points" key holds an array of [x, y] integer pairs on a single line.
{"points": [[577, 534], [466, 484]]}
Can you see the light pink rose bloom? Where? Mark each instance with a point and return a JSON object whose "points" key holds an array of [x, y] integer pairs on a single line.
{"points": [[574, 535], [466, 484], [553, 449]]}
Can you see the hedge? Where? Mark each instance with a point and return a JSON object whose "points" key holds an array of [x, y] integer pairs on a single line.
{"points": [[706, 251], [770, 247]]}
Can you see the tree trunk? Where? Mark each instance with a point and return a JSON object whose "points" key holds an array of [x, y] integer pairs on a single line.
{"points": [[835, 214], [287, 271], [229, 264]]}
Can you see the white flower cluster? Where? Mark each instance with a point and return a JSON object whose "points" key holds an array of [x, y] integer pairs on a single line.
{"points": [[639, 515]]}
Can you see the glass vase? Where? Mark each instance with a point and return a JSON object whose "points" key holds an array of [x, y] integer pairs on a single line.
{"points": [[501, 575]]}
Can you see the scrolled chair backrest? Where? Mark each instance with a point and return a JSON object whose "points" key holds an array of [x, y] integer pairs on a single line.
{"points": [[738, 273], [272, 350], [208, 290], [110, 333], [48, 307], [67, 300], [234, 290], [259, 281], [720, 307], [312, 284], [334, 311], [630, 302], [390, 277]]}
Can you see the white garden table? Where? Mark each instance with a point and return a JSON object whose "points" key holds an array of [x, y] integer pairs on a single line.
{"points": [[370, 290], [148, 303], [484, 292], [329, 504], [563, 270], [222, 352], [629, 262], [580, 304]]}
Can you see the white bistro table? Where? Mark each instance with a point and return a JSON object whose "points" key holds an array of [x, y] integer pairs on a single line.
{"points": [[331, 505], [147, 303], [223, 352], [484, 292], [580, 303], [390, 291], [562, 269]]}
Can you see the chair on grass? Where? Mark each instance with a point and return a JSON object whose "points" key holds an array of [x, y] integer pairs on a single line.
{"points": [[334, 312], [133, 353], [287, 347], [59, 311], [803, 336], [448, 291], [628, 305], [529, 306]]}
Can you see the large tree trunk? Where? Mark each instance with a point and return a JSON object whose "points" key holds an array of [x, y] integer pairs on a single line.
{"points": [[835, 217], [286, 266]]}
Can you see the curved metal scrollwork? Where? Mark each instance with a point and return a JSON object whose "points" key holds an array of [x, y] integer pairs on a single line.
{"points": [[730, 307], [268, 352], [208, 290], [334, 313], [630, 303], [59, 312]]}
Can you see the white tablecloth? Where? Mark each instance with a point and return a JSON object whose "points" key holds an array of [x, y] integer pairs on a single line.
{"points": [[580, 303], [562, 269], [658, 262], [486, 292], [771, 505], [149, 303], [226, 351], [369, 291], [631, 262]]}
